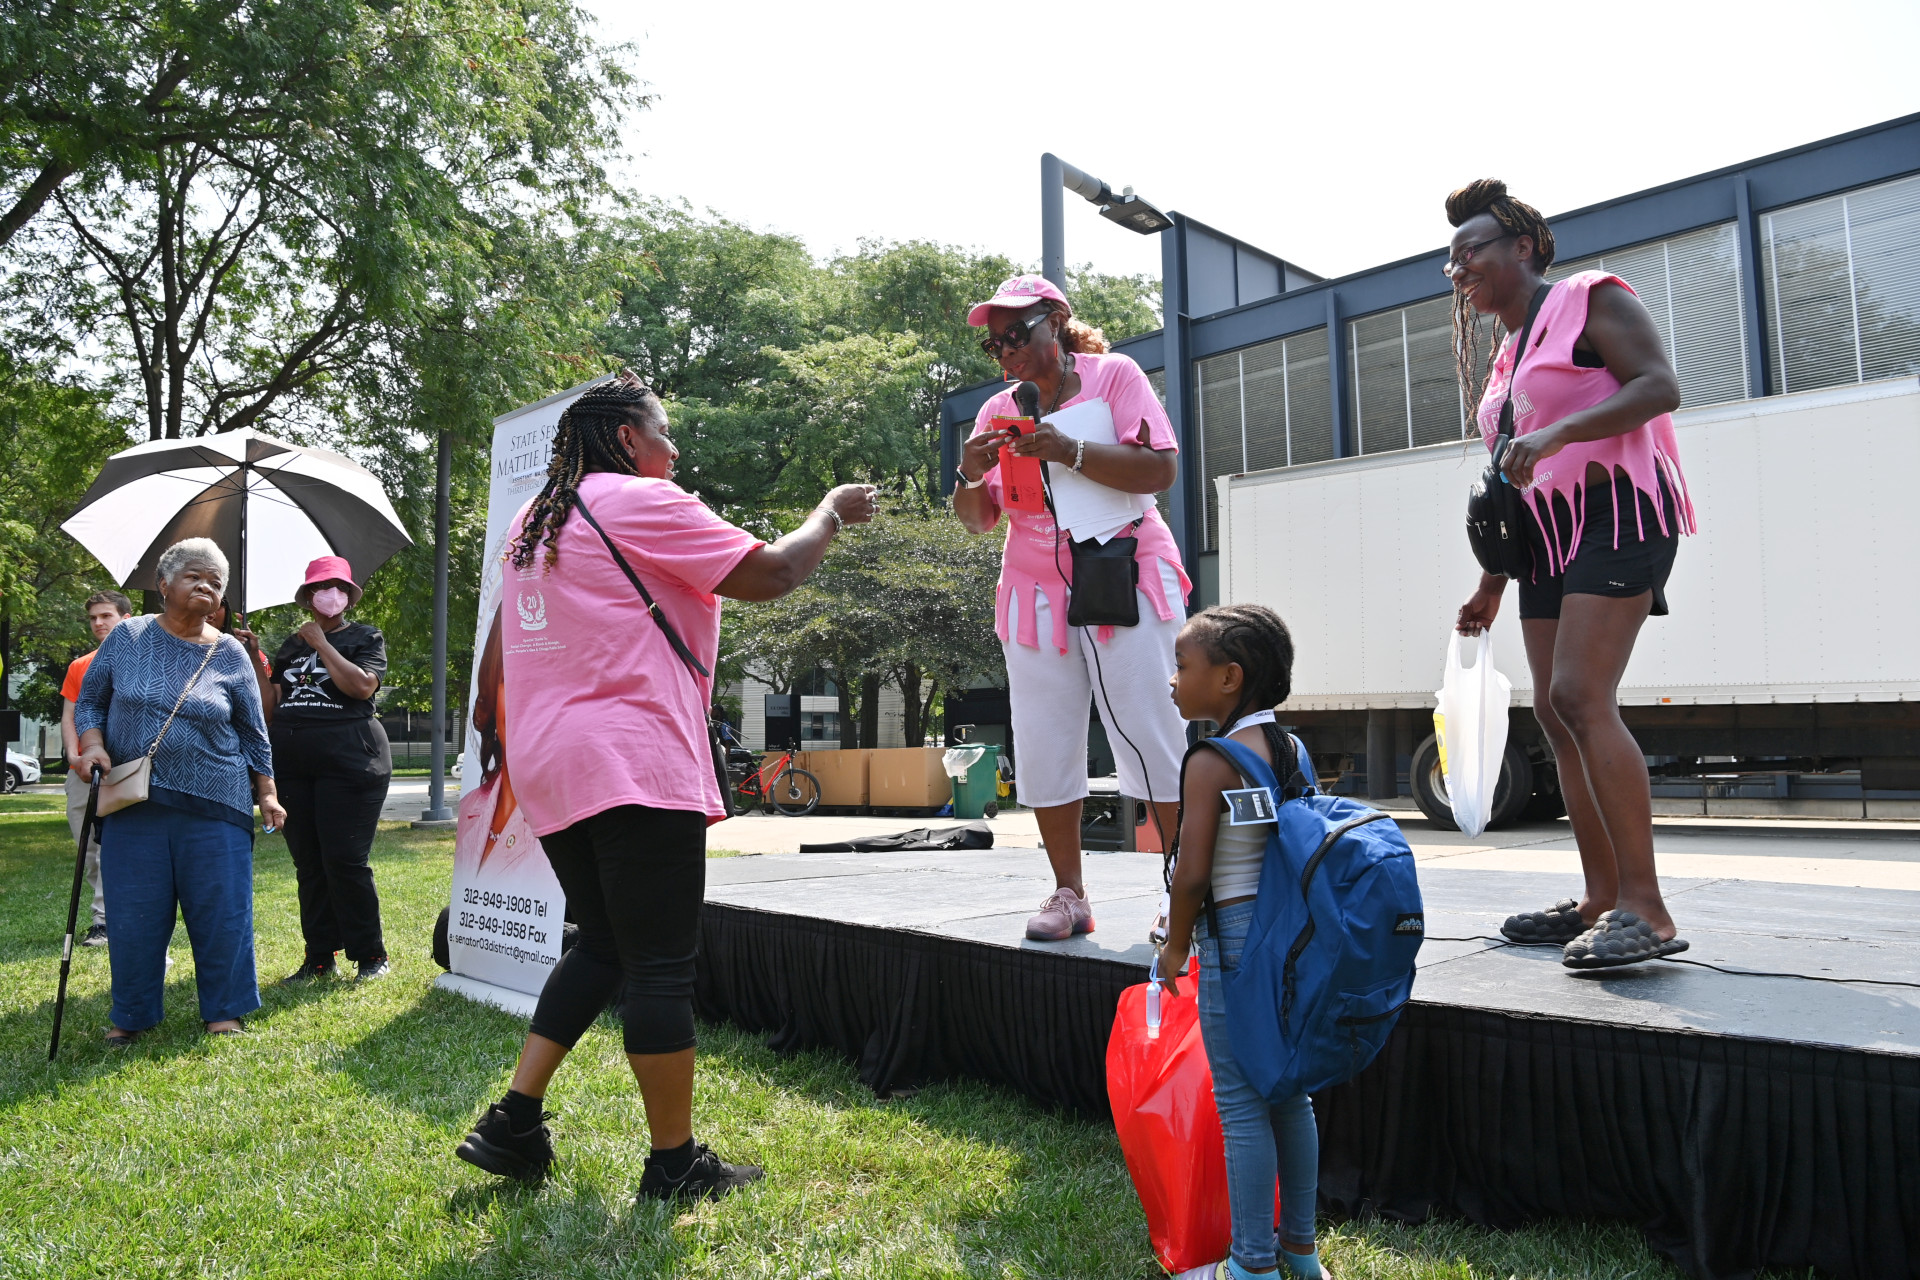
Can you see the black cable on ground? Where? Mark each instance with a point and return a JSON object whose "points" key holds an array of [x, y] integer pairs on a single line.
{"points": [[1703, 964]]}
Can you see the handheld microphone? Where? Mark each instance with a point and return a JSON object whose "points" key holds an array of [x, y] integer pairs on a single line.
{"points": [[1027, 396]]}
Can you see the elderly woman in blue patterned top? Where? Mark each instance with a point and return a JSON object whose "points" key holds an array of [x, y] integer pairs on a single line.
{"points": [[190, 844]]}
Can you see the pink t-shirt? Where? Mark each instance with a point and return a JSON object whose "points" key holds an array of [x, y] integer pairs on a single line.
{"points": [[1550, 387], [603, 712], [1029, 563]]}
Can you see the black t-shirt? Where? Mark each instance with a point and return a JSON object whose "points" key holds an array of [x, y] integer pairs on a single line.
{"points": [[307, 692]]}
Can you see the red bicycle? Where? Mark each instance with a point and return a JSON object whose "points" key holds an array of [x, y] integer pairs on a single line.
{"points": [[777, 784]]}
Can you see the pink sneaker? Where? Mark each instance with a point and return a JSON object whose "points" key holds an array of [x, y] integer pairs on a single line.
{"points": [[1062, 915]]}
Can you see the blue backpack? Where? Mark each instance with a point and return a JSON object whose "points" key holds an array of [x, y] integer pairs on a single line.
{"points": [[1328, 960]]}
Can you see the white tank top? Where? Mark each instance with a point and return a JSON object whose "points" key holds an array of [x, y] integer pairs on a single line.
{"points": [[1238, 852], [1237, 855]]}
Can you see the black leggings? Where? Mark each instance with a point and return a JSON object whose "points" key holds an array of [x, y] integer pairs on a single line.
{"points": [[332, 778], [634, 878]]}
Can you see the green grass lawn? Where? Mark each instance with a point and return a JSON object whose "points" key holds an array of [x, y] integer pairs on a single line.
{"points": [[320, 1144]]}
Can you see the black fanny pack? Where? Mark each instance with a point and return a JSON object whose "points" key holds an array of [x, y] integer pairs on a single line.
{"points": [[1105, 579], [1496, 528]]}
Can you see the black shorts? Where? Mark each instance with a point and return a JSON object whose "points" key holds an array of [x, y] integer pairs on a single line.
{"points": [[1633, 568]]}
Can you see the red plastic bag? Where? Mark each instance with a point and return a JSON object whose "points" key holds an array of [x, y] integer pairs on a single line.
{"points": [[1161, 1090]]}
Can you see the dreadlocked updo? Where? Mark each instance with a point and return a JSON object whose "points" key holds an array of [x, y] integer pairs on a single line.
{"points": [[588, 440], [1253, 636], [1489, 196]]}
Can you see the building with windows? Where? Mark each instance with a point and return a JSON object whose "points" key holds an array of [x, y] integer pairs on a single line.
{"points": [[1792, 272]]}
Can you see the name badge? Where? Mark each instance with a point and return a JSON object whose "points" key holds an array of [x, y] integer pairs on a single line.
{"points": [[1249, 807]]}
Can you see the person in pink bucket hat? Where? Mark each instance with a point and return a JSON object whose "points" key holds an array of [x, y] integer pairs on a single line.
{"points": [[334, 764], [1119, 437]]}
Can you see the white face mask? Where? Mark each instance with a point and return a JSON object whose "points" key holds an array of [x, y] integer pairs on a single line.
{"points": [[330, 602]]}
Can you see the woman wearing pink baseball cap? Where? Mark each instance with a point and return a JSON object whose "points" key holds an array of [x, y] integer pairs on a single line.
{"points": [[334, 765], [1053, 666]]}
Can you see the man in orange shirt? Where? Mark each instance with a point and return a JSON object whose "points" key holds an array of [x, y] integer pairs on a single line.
{"points": [[105, 611]]}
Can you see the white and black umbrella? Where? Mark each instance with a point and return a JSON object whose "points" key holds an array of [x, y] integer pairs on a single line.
{"points": [[272, 507]]}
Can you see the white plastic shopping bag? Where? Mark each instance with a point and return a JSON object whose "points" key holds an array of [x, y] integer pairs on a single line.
{"points": [[1471, 725], [958, 760]]}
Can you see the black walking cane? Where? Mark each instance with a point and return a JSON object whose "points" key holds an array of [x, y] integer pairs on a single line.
{"points": [[73, 910]]}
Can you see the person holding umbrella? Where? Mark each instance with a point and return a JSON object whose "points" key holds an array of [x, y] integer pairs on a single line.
{"points": [[334, 768], [172, 688]]}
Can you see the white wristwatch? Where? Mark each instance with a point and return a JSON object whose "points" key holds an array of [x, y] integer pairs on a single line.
{"points": [[966, 483]]}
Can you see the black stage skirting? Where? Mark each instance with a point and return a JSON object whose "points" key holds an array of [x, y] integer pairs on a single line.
{"points": [[1730, 1154]]}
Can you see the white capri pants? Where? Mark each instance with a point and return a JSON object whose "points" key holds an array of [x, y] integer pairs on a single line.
{"points": [[1049, 690]]}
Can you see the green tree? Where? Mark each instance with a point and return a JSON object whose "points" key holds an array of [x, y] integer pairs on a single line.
{"points": [[52, 438], [344, 159], [1121, 307]]}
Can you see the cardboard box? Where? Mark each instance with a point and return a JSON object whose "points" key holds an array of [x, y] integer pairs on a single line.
{"points": [[908, 778], [842, 776]]}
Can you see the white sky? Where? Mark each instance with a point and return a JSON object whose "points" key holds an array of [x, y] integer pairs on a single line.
{"points": [[1328, 134]]}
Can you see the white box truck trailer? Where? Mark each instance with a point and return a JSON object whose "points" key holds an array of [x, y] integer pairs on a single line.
{"points": [[1786, 679]]}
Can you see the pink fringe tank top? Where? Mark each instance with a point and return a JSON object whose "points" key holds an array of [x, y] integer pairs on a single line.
{"points": [[1550, 387]]}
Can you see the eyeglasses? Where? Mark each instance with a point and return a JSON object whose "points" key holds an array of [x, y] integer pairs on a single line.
{"points": [[1458, 262], [1016, 337]]}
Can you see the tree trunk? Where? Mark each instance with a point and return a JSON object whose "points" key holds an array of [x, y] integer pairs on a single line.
{"points": [[849, 730], [869, 710], [910, 695], [6, 658]]}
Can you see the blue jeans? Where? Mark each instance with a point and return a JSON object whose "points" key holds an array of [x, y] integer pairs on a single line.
{"points": [[1263, 1142], [155, 859]]}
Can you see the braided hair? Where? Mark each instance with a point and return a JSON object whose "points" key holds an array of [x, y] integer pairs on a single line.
{"points": [[1489, 195], [1253, 636], [588, 440]]}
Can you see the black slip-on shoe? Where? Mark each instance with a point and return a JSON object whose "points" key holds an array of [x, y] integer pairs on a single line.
{"points": [[96, 937], [309, 970], [496, 1147], [378, 967], [708, 1177]]}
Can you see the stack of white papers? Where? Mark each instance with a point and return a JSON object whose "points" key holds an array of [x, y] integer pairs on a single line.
{"points": [[1085, 508]]}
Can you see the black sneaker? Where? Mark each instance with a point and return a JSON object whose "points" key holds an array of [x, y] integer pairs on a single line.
{"points": [[96, 937], [309, 970], [494, 1146], [374, 968], [708, 1177]]}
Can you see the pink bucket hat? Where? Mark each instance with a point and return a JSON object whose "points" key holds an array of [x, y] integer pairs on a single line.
{"points": [[1018, 294], [328, 569]]}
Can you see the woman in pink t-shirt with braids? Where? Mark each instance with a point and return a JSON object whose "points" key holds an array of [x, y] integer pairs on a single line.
{"points": [[1053, 669], [611, 764], [1596, 460]]}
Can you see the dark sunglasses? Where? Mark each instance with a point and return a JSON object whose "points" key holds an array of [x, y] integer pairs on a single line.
{"points": [[1458, 262], [1016, 337]]}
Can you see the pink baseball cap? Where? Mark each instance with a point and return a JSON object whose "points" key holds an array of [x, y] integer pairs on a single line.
{"points": [[328, 569], [1018, 294]]}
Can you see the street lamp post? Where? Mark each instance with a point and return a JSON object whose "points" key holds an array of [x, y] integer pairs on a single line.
{"points": [[1126, 209]]}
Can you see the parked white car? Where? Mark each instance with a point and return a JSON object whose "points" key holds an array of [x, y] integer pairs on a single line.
{"points": [[21, 770]]}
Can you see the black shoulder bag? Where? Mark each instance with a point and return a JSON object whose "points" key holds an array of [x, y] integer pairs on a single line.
{"points": [[1496, 524], [714, 748]]}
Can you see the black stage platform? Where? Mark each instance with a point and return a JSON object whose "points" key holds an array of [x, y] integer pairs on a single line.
{"points": [[1761, 1113]]}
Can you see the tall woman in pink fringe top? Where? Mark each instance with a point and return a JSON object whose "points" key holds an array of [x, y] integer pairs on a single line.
{"points": [[1595, 458]]}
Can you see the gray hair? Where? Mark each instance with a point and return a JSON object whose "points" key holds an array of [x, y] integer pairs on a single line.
{"points": [[190, 551]]}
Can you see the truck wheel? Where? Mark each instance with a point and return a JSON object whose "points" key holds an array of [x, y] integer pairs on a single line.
{"points": [[1510, 796], [1547, 803]]}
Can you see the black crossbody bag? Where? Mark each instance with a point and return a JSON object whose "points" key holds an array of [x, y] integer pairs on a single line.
{"points": [[1496, 523], [714, 748], [1106, 578]]}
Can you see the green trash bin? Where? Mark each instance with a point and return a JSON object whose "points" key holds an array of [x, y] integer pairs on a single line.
{"points": [[980, 788]]}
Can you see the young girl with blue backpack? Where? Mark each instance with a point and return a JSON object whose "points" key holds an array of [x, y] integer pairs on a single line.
{"points": [[1307, 916]]}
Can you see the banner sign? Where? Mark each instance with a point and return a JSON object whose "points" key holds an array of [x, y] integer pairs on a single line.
{"points": [[504, 921]]}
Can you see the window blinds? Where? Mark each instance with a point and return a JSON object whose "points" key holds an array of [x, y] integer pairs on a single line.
{"points": [[1690, 285], [1262, 407], [1843, 287]]}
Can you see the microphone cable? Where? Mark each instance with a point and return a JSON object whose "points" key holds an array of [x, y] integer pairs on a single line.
{"points": [[1093, 648]]}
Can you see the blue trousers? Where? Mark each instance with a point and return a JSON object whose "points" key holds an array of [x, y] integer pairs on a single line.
{"points": [[154, 860], [1262, 1141]]}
